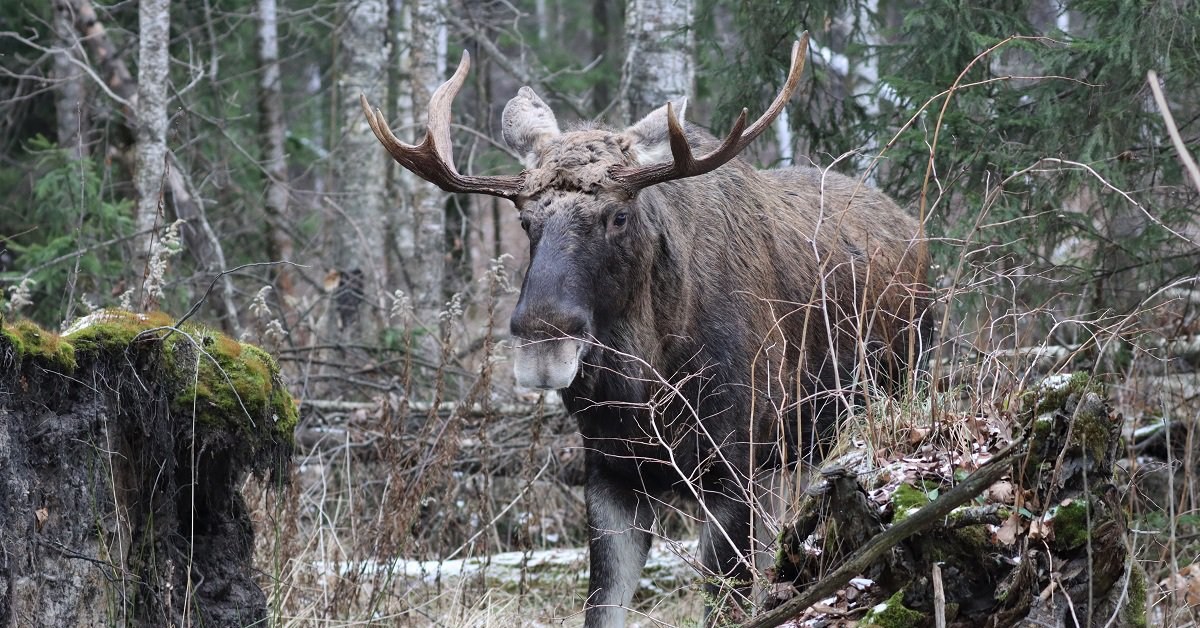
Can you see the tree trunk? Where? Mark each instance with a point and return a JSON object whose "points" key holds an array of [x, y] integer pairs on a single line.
{"points": [[119, 505], [659, 61], [427, 70], [271, 133], [71, 97], [360, 172], [154, 21]]}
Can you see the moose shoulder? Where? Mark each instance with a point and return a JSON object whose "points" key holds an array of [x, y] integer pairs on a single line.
{"points": [[705, 322]]}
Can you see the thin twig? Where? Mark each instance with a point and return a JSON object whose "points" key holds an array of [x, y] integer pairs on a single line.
{"points": [[212, 285]]}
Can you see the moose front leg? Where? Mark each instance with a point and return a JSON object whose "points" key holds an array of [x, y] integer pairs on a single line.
{"points": [[726, 556], [619, 523]]}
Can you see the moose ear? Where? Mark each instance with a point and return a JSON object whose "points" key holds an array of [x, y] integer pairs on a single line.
{"points": [[649, 138], [528, 122]]}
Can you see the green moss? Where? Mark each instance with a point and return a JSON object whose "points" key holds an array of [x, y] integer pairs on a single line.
{"points": [[906, 500], [109, 332], [1053, 392], [233, 387], [1070, 525], [1135, 607], [33, 343], [1090, 433], [232, 390], [893, 614]]}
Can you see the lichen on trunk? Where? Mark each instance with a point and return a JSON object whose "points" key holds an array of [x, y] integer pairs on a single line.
{"points": [[122, 446]]}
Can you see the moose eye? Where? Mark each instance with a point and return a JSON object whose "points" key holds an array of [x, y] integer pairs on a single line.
{"points": [[619, 219], [525, 224]]}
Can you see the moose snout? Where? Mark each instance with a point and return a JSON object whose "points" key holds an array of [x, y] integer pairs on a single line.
{"points": [[547, 344]]}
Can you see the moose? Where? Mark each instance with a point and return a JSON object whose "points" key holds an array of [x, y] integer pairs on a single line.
{"points": [[705, 322]]}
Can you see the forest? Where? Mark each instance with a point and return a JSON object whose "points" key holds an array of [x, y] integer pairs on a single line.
{"points": [[205, 171]]}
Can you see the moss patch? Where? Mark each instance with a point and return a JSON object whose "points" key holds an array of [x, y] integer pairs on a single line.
{"points": [[907, 500], [232, 390], [232, 387], [30, 342], [1135, 608], [893, 614], [1070, 525], [1052, 393]]}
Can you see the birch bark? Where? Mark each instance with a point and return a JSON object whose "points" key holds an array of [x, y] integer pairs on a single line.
{"points": [[154, 21], [360, 171], [271, 134], [659, 61], [426, 65]]}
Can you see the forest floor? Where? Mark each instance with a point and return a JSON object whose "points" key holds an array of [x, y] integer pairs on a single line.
{"points": [[469, 516]]}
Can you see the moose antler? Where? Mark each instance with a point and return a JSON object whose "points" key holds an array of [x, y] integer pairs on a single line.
{"points": [[684, 165], [433, 158]]}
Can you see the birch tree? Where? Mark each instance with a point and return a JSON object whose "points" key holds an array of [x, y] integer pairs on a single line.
{"points": [[424, 67], [360, 168], [271, 134], [659, 59], [154, 21]]}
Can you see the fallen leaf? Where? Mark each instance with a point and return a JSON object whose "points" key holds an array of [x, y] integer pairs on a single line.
{"points": [[1185, 583], [1007, 532], [1002, 492], [1041, 529]]}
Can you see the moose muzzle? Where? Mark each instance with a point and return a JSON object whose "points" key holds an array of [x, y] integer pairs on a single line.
{"points": [[546, 364]]}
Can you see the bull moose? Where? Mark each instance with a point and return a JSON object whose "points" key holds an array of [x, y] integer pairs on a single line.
{"points": [[704, 321]]}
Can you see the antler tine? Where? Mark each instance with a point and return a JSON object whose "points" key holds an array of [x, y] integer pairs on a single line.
{"points": [[439, 110], [433, 158], [684, 164], [799, 55]]}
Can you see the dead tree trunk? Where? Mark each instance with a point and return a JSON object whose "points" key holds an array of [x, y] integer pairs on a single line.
{"points": [[120, 504]]}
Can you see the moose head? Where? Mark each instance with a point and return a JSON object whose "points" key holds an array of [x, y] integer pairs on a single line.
{"points": [[591, 241]]}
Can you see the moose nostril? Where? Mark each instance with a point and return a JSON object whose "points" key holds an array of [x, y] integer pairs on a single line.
{"points": [[542, 322]]}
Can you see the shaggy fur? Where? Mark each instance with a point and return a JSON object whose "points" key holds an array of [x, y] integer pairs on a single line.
{"points": [[721, 319]]}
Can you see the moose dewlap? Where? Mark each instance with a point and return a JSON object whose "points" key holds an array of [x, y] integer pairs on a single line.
{"points": [[704, 321]]}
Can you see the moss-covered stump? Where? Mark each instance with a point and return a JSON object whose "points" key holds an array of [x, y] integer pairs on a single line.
{"points": [[122, 446], [1045, 547]]}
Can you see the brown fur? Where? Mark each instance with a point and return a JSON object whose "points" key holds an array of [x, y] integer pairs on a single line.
{"points": [[726, 317]]}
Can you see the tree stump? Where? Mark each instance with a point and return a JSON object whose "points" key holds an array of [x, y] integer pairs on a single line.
{"points": [[122, 447]]}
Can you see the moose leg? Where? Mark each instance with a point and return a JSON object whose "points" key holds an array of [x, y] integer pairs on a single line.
{"points": [[725, 555], [619, 525]]}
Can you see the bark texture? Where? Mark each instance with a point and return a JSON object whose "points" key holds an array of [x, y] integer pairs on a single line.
{"points": [[426, 268], [154, 22], [119, 502], [659, 62], [360, 171], [271, 135]]}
